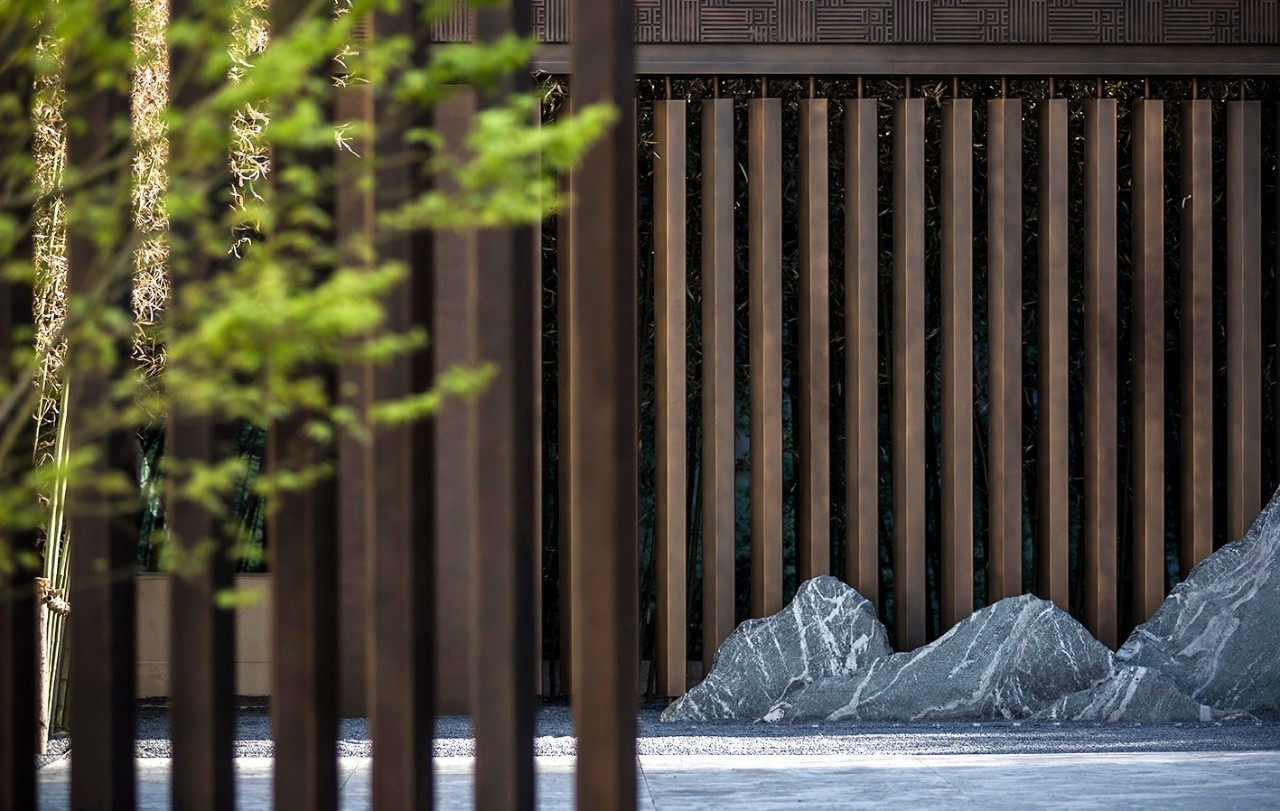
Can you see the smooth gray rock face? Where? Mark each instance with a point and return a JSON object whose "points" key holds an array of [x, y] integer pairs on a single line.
{"points": [[1133, 695], [827, 628], [1217, 636], [1009, 660]]}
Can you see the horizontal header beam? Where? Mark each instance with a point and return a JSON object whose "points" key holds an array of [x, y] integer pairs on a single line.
{"points": [[945, 60]]}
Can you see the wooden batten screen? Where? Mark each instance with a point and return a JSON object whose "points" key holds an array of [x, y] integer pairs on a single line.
{"points": [[950, 342]]}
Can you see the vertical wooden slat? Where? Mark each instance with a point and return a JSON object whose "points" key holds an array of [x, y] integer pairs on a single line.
{"points": [[813, 422], [19, 695], [202, 635], [670, 294], [565, 423], [1196, 337], [103, 546], [401, 553], [1054, 520], [908, 420], [1148, 358], [956, 596], [764, 143], [502, 703], [1101, 464], [1004, 302], [302, 540], [718, 422], [1244, 315], [603, 365], [452, 430], [861, 274]]}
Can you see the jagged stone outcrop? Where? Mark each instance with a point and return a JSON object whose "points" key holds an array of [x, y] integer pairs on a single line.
{"points": [[1009, 660], [1133, 695], [828, 628], [1215, 635]]}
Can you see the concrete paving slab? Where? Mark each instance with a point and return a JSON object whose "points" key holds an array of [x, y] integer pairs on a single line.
{"points": [[1172, 780], [453, 782], [253, 782], [1076, 781], [1160, 780]]}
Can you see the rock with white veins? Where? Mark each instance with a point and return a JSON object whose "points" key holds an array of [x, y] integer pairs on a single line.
{"points": [[828, 628], [1009, 660], [1132, 695], [1215, 634]]}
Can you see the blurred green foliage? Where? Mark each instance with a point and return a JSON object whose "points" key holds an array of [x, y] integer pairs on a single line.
{"points": [[244, 342]]}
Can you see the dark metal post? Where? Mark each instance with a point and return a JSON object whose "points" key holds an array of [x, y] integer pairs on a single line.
{"points": [[401, 550], [502, 499], [19, 695], [202, 638], [603, 366], [353, 226], [302, 539], [455, 296], [103, 545]]}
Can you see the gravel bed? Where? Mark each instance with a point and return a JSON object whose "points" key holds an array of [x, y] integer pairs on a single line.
{"points": [[59, 746], [555, 736]]}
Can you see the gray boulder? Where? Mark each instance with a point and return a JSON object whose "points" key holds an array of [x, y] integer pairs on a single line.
{"points": [[1133, 695], [1215, 635], [1009, 660], [828, 628]]}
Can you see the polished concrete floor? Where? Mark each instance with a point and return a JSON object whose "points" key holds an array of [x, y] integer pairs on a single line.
{"points": [[1163, 780]]}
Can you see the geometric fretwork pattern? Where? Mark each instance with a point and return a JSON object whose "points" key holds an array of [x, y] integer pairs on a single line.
{"points": [[1251, 22]]}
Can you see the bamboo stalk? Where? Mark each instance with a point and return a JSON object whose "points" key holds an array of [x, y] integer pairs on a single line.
{"points": [[57, 576], [42, 668]]}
